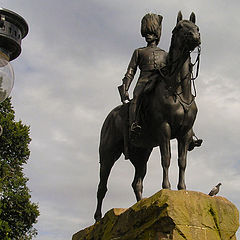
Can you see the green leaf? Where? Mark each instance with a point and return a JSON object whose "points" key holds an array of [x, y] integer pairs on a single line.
{"points": [[17, 213]]}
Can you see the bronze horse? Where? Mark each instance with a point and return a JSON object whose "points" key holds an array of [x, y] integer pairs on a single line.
{"points": [[169, 112]]}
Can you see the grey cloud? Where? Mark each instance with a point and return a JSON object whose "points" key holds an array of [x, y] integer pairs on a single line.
{"points": [[73, 58]]}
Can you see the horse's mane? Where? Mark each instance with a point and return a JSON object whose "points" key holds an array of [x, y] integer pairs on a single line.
{"points": [[170, 52]]}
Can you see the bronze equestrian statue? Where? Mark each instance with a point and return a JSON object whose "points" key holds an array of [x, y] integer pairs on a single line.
{"points": [[164, 108]]}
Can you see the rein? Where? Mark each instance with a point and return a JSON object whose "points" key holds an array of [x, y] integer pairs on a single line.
{"points": [[197, 71], [193, 78], [198, 64]]}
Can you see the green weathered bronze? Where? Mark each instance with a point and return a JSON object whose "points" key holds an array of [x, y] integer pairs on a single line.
{"points": [[163, 107]]}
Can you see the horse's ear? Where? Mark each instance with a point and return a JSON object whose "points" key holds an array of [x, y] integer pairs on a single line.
{"points": [[192, 17], [179, 16]]}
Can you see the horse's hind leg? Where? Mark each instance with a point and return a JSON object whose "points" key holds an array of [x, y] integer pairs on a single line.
{"points": [[139, 160], [107, 160], [183, 144]]}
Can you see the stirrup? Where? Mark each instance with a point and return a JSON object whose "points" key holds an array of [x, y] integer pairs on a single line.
{"points": [[135, 132], [135, 127]]}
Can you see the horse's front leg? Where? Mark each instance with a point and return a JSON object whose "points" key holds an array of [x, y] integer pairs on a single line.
{"points": [[165, 150], [183, 144]]}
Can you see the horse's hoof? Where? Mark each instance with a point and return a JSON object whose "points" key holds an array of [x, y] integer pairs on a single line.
{"points": [[97, 217], [97, 220], [181, 187], [166, 186]]}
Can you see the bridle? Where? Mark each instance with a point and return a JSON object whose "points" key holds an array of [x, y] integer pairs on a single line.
{"points": [[164, 72]]}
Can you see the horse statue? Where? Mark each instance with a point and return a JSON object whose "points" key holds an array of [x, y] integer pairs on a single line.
{"points": [[169, 111]]}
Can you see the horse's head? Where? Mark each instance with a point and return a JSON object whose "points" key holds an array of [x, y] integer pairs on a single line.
{"points": [[186, 33]]}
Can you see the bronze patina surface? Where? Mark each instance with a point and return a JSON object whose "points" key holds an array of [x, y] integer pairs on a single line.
{"points": [[163, 107]]}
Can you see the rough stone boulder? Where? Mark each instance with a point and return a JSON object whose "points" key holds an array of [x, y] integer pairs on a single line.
{"points": [[177, 215]]}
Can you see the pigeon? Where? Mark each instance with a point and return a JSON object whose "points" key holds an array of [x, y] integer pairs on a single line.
{"points": [[215, 190]]}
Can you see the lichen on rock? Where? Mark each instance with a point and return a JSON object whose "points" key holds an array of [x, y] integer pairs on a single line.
{"points": [[168, 214]]}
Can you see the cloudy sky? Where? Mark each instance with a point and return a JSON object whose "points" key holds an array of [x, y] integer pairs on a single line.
{"points": [[73, 58]]}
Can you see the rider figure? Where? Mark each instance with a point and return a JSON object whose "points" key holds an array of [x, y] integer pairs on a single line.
{"points": [[149, 60]]}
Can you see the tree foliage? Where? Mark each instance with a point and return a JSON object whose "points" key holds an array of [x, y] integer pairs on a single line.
{"points": [[17, 212]]}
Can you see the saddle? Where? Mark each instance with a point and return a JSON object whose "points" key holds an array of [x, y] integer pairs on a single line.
{"points": [[150, 86]]}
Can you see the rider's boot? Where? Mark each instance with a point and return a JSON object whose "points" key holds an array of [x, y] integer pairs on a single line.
{"points": [[135, 128], [195, 143]]}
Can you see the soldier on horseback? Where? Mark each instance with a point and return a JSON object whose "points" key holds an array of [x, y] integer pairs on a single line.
{"points": [[164, 94], [150, 60]]}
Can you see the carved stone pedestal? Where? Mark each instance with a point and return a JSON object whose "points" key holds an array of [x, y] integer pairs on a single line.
{"points": [[177, 215]]}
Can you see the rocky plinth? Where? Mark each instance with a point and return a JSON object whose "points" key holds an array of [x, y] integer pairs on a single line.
{"points": [[177, 215]]}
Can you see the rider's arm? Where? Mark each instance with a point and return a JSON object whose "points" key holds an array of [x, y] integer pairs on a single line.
{"points": [[131, 70]]}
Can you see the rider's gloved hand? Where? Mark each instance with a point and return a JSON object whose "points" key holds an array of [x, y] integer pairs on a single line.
{"points": [[126, 95]]}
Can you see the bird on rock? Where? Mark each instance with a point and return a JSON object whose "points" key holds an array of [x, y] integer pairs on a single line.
{"points": [[215, 190]]}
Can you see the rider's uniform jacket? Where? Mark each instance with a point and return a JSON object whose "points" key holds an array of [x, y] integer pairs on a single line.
{"points": [[149, 60]]}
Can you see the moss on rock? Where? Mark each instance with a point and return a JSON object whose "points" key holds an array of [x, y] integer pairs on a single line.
{"points": [[177, 215]]}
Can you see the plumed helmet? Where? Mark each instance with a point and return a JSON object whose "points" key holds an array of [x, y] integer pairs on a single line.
{"points": [[151, 23]]}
